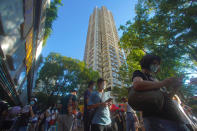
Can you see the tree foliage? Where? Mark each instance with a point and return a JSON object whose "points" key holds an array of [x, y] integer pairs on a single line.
{"points": [[60, 74], [51, 15], [166, 28], [119, 93], [45, 101]]}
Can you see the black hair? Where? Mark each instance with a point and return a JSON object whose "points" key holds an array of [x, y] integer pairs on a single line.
{"points": [[90, 83], [147, 60], [100, 80]]}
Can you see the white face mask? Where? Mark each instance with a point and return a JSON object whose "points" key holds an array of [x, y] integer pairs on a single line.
{"points": [[104, 87], [154, 68], [94, 88], [32, 103]]}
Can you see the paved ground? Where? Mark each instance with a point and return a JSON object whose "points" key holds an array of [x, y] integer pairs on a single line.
{"points": [[79, 129]]}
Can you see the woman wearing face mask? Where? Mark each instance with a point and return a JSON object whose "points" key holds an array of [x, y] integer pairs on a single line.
{"points": [[163, 118]]}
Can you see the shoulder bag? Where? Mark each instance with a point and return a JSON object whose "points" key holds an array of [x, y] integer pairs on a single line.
{"points": [[146, 100]]}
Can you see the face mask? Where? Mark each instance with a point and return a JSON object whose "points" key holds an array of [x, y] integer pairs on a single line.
{"points": [[104, 87], [154, 68], [94, 88], [32, 103]]}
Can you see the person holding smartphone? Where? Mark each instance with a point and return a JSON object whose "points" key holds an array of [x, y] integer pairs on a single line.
{"points": [[100, 101], [163, 116]]}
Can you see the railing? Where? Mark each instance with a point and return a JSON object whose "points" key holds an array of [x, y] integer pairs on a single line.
{"points": [[7, 84]]}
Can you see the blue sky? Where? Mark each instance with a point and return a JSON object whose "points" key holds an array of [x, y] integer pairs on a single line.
{"points": [[70, 28]]}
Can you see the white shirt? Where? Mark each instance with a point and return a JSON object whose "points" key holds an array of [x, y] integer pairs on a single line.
{"points": [[129, 109], [48, 118]]}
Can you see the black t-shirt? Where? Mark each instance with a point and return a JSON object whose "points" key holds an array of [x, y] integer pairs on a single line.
{"points": [[138, 73], [167, 111], [86, 97]]}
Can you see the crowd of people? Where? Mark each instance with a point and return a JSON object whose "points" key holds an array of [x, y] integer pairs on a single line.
{"points": [[100, 114], [151, 105], [157, 105], [28, 117]]}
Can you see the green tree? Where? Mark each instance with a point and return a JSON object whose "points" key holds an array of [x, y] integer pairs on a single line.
{"points": [[60, 74], [45, 101], [165, 28], [51, 15], [119, 93]]}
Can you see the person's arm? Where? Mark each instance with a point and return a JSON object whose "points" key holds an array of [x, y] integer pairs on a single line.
{"points": [[47, 113], [92, 104], [75, 103], [175, 87], [142, 85], [136, 117], [141, 117], [97, 105], [31, 112]]}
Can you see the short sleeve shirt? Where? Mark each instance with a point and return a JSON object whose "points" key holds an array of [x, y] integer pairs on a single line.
{"points": [[138, 73], [129, 109], [166, 112], [102, 114], [147, 77]]}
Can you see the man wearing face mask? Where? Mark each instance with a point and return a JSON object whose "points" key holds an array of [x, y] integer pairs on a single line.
{"points": [[164, 118], [34, 109], [87, 94], [100, 101], [33, 103]]}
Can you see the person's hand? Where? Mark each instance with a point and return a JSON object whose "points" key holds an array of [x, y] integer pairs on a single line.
{"points": [[177, 83], [135, 118], [172, 82], [105, 104], [169, 81]]}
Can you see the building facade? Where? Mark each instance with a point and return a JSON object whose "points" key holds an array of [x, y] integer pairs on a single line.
{"points": [[21, 34], [102, 52]]}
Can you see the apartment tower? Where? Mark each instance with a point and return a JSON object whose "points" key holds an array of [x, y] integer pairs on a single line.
{"points": [[102, 52]]}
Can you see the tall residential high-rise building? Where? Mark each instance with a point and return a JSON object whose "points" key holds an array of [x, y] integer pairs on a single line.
{"points": [[102, 52]]}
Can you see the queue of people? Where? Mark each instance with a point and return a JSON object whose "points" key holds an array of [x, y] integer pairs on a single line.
{"points": [[97, 113], [62, 116], [27, 118], [155, 98], [157, 105], [151, 105]]}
